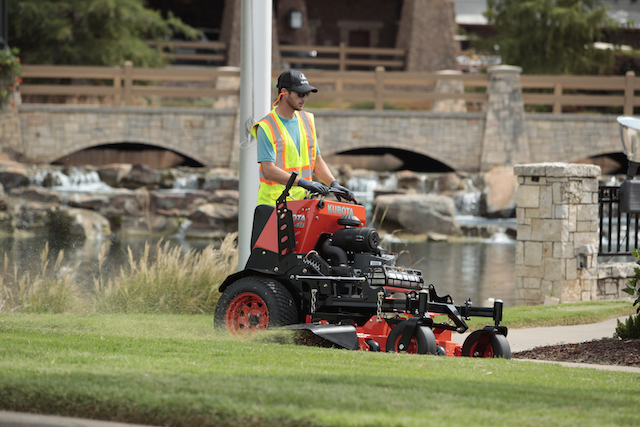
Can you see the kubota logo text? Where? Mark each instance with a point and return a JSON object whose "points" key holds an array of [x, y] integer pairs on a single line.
{"points": [[340, 210]]}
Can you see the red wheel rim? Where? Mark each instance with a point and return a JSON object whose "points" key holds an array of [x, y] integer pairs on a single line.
{"points": [[413, 345], [247, 312], [488, 352]]}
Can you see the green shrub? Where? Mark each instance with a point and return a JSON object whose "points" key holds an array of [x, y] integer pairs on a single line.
{"points": [[630, 329]]}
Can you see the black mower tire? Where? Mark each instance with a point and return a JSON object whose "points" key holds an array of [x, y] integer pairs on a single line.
{"points": [[256, 303], [498, 346], [422, 342]]}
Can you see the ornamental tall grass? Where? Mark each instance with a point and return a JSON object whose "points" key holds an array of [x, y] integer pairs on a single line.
{"points": [[48, 289], [164, 279], [169, 281]]}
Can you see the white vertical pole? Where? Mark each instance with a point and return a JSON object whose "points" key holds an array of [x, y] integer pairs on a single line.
{"points": [[255, 83]]}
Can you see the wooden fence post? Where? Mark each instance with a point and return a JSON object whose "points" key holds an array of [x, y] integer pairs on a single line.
{"points": [[128, 83], [342, 57], [629, 93], [117, 85], [557, 95], [379, 88]]}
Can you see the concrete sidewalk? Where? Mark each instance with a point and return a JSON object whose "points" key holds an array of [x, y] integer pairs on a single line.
{"points": [[526, 339]]}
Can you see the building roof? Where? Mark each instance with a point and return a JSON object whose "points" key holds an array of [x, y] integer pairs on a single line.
{"points": [[469, 12]]}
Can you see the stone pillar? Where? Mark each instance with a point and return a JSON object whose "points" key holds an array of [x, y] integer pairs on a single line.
{"points": [[557, 214], [505, 141], [449, 86], [427, 29]]}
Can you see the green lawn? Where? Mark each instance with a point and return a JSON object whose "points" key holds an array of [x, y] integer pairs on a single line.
{"points": [[173, 370]]}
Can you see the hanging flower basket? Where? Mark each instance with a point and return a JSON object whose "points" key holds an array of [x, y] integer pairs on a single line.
{"points": [[10, 72]]}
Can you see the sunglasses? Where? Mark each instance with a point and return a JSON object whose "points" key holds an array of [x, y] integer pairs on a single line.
{"points": [[302, 95]]}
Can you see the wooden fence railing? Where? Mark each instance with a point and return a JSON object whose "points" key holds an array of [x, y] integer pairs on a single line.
{"points": [[196, 53], [582, 91], [120, 86], [341, 57]]}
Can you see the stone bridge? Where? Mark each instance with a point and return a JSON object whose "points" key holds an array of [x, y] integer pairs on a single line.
{"points": [[470, 142], [210, 137]]}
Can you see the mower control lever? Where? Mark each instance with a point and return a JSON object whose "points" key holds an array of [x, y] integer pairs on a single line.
{"points": [[342, 195]]}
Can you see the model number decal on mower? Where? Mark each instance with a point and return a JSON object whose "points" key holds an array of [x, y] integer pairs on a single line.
{"points": [[340, 210], [299, 221]]}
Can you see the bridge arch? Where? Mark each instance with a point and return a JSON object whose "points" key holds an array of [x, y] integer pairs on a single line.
{"points": [[152, 154], [391, 159]]}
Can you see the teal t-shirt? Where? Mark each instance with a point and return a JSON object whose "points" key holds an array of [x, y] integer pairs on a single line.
{"points": [[265, 149]]}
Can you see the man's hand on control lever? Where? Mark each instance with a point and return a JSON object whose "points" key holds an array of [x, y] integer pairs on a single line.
{"points": [[313, 187], [347, 193]]}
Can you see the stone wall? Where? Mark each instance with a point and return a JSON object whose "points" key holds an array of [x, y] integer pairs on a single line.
{"points": [[49, 132]]}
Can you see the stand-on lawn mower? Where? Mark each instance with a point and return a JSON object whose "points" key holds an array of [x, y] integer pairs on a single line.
{"points": [[314, 266]]}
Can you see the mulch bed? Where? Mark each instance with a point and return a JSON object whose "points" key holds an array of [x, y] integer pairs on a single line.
{"points": [[607, 351]]}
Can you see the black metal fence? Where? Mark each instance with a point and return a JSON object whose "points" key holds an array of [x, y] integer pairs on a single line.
{"points": [[618, 230]]}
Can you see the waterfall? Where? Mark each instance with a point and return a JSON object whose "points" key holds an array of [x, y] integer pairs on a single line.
{"points": [[74, 180]]}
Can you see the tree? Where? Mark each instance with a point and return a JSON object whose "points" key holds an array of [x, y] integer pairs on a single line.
{"points": [[89, 32], [551, 36]]}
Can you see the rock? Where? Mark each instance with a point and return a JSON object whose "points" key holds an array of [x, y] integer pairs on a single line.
{"points": [[81, 223], [113, 174], [418, 213], [143, 176], [409, 181], [154, 225], [33, 217], [13, 175], [220, 179], [499, 194], [186, 201], [228, 197], [34, 193], [213, 220]]}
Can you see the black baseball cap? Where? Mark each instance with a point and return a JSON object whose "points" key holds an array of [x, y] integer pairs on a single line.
{"points": [[296, 81]]}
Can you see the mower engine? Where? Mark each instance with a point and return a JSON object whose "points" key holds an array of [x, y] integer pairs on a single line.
{"points": [[314, 265]]}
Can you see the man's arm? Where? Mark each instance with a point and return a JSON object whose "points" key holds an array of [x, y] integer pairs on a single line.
{"points": [[273, 173], [322, 171]]}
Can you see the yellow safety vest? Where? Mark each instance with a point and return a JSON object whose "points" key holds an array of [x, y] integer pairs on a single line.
{"points": [[287, 156]]}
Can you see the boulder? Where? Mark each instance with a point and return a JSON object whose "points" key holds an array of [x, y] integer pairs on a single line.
{"points": [[499, 193], [112, 174], [78, 222], [220, 179], [153, 225], [417, 213], [143, 176], [213, 220], [13, 175], [34, 193], [183, 201]]}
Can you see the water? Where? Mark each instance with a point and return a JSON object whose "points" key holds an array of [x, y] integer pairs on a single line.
{"points": [[476, 268]]}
